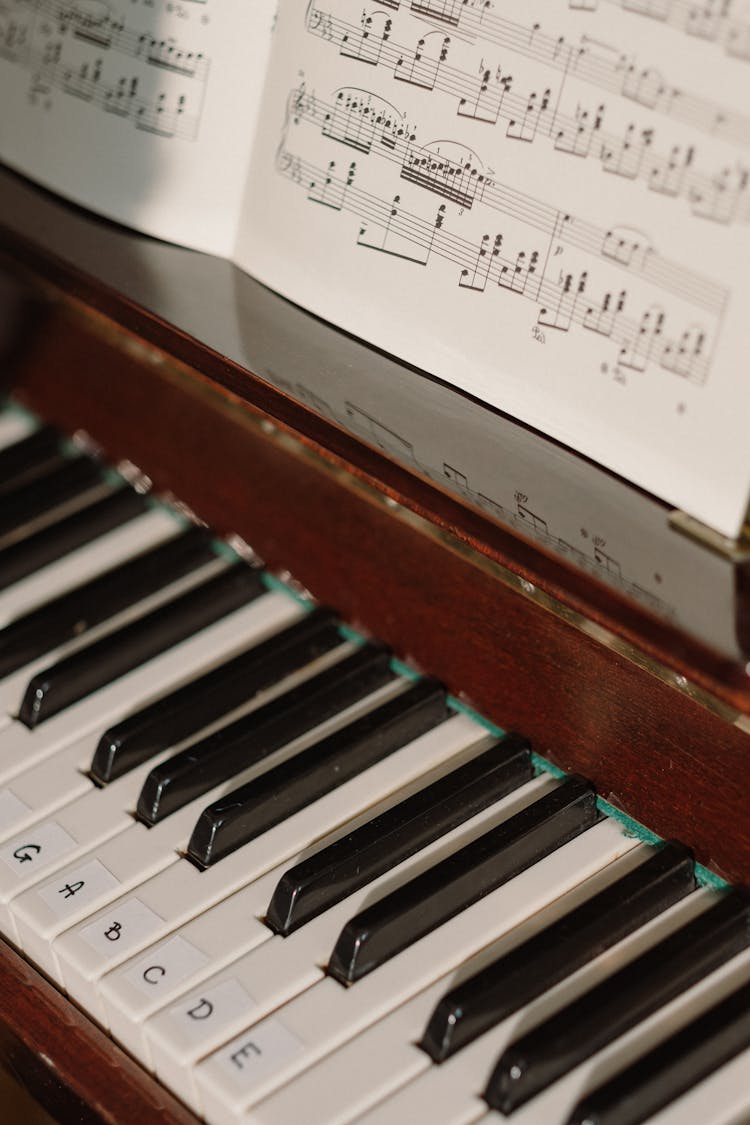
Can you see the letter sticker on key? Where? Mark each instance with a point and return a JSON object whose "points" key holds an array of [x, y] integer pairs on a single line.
{"points": [[77, 888], [252, 1057], [221, 1004], [40, 847], [166, 965], [131, 923]]}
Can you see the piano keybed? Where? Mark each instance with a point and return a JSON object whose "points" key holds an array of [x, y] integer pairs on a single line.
{"points": [[294, 880]]}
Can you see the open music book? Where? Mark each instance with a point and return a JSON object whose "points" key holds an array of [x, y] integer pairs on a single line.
{"points": [[545, 203]]}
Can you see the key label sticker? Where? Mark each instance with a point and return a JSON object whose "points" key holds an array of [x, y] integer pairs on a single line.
{"points": [[127, 925], [251, 1058], [41, 846], [206, 1012], [165, 966], [77, 888]]}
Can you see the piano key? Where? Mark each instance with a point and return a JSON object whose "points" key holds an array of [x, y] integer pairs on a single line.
{"points": [[190, 708], [26, 458], [245, 813], [721, 1099], [384, 1056], [77, 828], [452, 1090], [181, 892], [253, 738], [34, 764], [75, 676], [278, 969], [14, 425], [557, 1101], [15, 686], [323, 879], [325, 1016], [82, 527], [75, 612], [412, 910], [671, 1069], [47, 496], [109, 871], [153, 526], [515, 979], [537, 1059]]}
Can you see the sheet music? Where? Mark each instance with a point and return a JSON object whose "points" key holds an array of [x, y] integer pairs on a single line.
{"points": [[143, 110], [544, 203]]}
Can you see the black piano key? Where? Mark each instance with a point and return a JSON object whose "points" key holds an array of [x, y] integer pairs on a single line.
{"points": [[611, 1008], [245, 813], [51, 543], [90, 668], [254, 737], [428, 900], [515, 979], [80, 609], [672, 1068], [29, 457], [47, 491], [328, 876], [190, 708]]}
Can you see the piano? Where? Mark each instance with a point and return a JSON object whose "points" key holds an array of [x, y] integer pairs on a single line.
{"points": [[236, 556]]}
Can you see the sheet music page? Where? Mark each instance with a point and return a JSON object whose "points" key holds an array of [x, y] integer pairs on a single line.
{"points": [[543, 203], [143, 110]]}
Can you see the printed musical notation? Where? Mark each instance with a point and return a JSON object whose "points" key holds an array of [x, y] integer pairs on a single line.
{"points": [[565, 299], [713, 21], [487, 94], [592, 61], [89, 52], [368, 125]]}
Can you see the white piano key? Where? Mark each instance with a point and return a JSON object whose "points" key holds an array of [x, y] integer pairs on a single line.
{"points": [[222, 929], [455, 1086], [134, 856], [79, 826], [326, 1015], [179, 892], [721, 1099], [80, 727], [43, 788], [148, 530], [385, 1056], [13, 687], [281, 967], [15, 425], [84, 722], [555, 1104]]}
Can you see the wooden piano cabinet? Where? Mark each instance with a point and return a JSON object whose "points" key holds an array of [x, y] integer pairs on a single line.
{"points": [[69, 1066], [657, 721], [499, 623]]}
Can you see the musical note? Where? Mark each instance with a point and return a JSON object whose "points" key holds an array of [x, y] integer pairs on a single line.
{"points": [[709, 20], [48, 41], [457, 175], [563, 302], [631, 155], [329, 191], [597, 65], [419, 69], [476, 279]]}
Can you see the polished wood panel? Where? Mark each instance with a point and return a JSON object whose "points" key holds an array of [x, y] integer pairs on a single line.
{"points": [[71, 1068], [666, 759]]}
